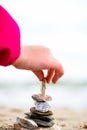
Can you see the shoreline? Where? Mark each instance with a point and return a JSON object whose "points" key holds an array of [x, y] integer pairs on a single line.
{"points": [[65, 118]]}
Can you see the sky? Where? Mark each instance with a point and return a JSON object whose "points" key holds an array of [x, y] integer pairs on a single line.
{"points": [[62, 22], [59, 24]]}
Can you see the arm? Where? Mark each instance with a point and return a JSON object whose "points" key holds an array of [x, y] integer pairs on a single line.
{"points": [[9, 38]]}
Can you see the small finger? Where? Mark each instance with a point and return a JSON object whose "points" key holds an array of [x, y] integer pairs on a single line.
{"points": [[58, 74]]}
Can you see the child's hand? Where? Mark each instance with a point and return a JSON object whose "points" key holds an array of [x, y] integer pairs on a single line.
{"points": [[37, 59]]}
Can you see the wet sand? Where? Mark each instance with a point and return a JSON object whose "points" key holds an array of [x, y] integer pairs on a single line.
{"points": [[66, 119]]}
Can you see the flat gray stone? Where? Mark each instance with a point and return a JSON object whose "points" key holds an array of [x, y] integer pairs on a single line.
{"points": [[27, 123], [35, 116], [54, 127], [48, 113], [44, 123]]}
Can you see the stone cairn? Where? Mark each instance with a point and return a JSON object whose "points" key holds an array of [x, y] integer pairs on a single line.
{"points": [[40, 116]]}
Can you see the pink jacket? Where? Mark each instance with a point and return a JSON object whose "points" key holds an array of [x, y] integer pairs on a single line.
{"points": [[9, 38]]}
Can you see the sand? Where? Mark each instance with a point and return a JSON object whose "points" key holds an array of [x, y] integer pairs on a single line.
{"points": [[67, 119]]}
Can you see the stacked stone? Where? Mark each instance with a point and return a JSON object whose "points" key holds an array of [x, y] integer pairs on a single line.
{"points": [[41, 113]]}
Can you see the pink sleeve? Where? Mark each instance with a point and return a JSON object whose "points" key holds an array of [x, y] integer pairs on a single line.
{"points": [[9, 38]]}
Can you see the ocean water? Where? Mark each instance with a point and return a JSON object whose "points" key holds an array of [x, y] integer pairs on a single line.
{"points": [[65, 94]]}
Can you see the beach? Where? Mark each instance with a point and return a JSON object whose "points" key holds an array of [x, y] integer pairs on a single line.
{"points": [[69, 103], [66, 119]]}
